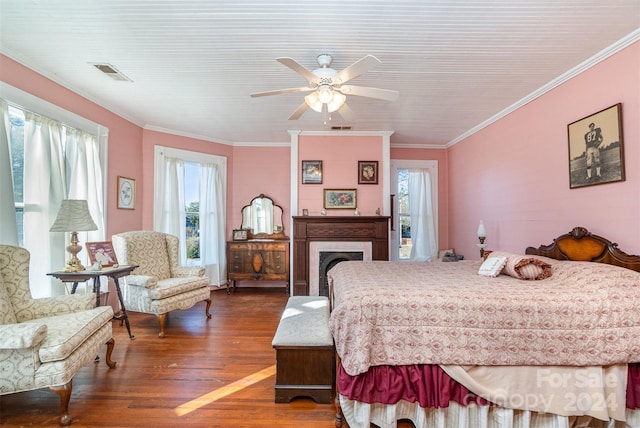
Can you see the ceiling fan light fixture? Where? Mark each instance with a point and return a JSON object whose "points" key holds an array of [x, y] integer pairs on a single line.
{"points": [[325, 95], [337, 101], [333, 99]]}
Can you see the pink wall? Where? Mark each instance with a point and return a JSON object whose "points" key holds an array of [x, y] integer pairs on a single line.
{"points": [[125, 138], [439, 155], [259, 170], [514, 173], [340, 156]]}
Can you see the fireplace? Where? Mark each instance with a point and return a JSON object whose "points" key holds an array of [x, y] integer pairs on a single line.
{"points": [[329, 259], [323, 255], [312, 235]]}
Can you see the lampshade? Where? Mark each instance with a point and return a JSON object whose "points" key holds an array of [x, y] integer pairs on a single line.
{"points": [[482, 232], [325, 95], [73, 216]]}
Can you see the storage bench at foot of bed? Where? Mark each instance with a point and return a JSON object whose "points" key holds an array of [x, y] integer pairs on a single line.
{"points": [[305, 354]]}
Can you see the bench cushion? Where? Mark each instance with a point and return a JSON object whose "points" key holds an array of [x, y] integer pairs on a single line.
{"points": [[304, 322]]}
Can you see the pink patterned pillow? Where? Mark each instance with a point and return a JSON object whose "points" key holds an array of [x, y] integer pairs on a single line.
{"points": [[524, 267]]}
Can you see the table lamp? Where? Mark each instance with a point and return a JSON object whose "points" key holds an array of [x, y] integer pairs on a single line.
{"points": [[482, 235], [73, 217]]}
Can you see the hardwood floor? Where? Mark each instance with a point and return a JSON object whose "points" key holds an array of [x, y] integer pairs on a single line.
{"points": [[204, 373]]}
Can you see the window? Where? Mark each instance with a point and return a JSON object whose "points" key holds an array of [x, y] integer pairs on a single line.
{"points": [[192, 212], [16, 148], [402, 213], [48, 161], [401, 236], [190, 203]]}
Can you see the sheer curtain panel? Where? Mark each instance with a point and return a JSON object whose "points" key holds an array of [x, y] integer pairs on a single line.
{"points": [[424, 246]]}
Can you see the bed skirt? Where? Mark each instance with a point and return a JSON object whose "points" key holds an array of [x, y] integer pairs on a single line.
{"points": [[429, 397], [362, 415]]}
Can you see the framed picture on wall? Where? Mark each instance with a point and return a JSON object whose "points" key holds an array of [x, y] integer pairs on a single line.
{"points": [[335, 199], [311, 172], [126, 193], [367, 172], [596, 153]]}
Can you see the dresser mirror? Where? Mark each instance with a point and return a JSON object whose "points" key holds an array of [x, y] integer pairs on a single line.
{"points": [[263, 219]]}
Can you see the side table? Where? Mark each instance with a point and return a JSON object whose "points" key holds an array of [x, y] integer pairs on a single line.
{"points": [[110, 272]]}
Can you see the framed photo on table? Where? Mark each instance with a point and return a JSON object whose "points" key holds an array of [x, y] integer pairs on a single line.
{"points": [[126, 193], [367, 172], [102, 252], [596, 154], [240, 235], [335, 199]]}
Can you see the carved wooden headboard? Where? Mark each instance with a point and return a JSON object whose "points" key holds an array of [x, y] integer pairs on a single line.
{"points": [[582, 245]]}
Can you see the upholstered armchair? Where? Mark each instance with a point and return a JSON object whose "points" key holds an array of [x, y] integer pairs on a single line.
{"points": [[159, 284], [44, 342]]}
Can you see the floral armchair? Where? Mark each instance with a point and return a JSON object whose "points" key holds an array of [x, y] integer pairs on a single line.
{"points": [[44, 342], [159, 284]]}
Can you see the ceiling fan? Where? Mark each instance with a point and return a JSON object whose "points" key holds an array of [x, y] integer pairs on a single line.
{"points": [[327, 86]]}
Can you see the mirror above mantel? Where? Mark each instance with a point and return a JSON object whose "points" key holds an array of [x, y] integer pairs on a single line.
{"points": [[263, 219]]}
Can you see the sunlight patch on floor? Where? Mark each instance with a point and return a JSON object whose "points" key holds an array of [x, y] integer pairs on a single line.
{"points": [[224, 391]]}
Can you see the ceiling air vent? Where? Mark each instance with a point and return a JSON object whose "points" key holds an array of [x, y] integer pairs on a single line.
{"points": [[112, 72], [340, 128]]}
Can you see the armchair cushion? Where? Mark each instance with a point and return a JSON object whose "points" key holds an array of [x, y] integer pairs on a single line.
{"points": [[183, 271], [67, 332], [174, 286], [60, 305]]}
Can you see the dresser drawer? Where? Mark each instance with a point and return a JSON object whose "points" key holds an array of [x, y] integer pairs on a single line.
{"points": [[258, 260]]}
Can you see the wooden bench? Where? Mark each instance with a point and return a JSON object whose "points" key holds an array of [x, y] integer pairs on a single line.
{"points": [[305, 354]]}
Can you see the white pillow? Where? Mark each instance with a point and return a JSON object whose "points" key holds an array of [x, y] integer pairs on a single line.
{"points": [[493, 266]]}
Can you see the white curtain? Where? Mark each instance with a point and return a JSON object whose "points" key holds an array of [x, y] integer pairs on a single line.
{"points": [[424, 247], [170, 210], [86, 180], [212, 222], [44, 190], [9, 229]]}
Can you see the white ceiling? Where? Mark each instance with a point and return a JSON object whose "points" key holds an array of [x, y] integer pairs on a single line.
{"points": [[456, 63]]}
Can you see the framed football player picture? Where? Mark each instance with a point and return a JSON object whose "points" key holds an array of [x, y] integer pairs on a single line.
{"points": [[596, 154]]}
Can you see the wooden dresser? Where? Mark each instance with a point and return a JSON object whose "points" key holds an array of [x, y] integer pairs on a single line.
{"points": [[258, 259]]}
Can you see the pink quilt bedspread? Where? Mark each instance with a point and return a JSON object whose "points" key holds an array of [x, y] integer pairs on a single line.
{"points": [[396, 313]]}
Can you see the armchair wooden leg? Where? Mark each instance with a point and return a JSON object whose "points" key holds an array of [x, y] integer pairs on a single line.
{"points": [[110, 363], [161, 319], [207, 309], [64, 391]]}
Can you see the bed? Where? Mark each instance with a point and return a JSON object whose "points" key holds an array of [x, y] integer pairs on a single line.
{"points": [[440, 345]]}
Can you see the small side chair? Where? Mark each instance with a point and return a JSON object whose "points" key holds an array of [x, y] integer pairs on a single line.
{"points": [[159, 284]]}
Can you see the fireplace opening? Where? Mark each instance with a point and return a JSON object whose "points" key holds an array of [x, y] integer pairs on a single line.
{"points": [[328, 259]]}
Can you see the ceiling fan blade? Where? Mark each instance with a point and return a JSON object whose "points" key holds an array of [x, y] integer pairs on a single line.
{"points": [[346, 113], [299, 111], [281, 91], [363, 91], [357, 68], [298, 68]]}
